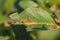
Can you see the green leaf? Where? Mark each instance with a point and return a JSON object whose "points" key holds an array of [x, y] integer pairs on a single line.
{"points": [[9, 5], [3, 18], [16, 17], [53, 2], [35, 15], [27, 4], [2, 5], [41, 2]]}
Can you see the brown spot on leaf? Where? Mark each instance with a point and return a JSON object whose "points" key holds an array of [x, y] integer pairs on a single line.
{"points": [[29, 22], [51, 24]]}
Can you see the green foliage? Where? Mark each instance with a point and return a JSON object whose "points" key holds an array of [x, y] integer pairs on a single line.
{"points": [[3, 18], [46, 34], [35, 11], [52, 2], [9, 5], [27, 4], [2, 5], [41, 2]]}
